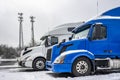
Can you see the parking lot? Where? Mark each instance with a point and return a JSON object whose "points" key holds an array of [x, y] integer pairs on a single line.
{"points": [[14, 72]]}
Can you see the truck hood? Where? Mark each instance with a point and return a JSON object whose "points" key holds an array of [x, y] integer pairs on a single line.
{"points": [[33, 47], [37, 49], [74, 45]]}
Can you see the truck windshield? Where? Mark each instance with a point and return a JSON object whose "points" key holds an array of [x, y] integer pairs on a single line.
{"points": [[81, 35]]}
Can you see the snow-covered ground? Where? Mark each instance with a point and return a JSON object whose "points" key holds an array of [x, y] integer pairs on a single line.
{"points": [[17, 73]]}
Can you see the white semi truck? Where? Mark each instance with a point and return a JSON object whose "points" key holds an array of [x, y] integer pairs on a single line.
{"points": [[35, 57]]}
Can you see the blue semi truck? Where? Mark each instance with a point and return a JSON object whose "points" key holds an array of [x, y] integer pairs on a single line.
{"points": [[94, 45]]}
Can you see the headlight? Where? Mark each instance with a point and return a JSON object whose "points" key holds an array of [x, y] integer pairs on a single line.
{"points": [[60, 59]]}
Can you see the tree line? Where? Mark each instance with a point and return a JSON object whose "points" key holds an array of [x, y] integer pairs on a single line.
{"points": [[7, 52]]}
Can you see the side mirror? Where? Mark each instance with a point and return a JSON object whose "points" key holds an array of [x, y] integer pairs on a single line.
{"points": [[70, 38], [25, 48]]}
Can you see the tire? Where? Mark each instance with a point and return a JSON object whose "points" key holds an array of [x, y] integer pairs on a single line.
{"points": [[39, 64], [81, 67]]}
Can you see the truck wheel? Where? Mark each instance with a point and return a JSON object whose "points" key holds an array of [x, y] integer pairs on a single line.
{"points": [[81, 67], [39, 64]]}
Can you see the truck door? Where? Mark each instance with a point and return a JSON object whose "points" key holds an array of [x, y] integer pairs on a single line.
{"points": [[114, 45], [51, 40], [98, 42]]}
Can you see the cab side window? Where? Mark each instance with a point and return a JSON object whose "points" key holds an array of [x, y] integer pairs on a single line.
{"points": [[54, 40], [99, 32], [51, 40]]}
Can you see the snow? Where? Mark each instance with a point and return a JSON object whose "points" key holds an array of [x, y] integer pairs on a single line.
{"points": [[14, 72]]}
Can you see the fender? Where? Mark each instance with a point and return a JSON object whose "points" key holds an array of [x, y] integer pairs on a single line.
{"points": [[35, 55], [74, 54]]}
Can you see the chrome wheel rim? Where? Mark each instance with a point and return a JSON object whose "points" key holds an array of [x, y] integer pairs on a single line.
{"points": [[82, 67], [40, 64]]}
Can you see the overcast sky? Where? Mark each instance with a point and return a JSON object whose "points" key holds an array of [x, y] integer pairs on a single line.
{"points": [[48, 13]]}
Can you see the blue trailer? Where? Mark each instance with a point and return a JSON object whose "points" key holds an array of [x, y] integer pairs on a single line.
{"points": [[94, 45]]}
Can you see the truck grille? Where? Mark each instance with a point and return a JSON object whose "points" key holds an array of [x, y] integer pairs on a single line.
{"points": [[49, 51]]}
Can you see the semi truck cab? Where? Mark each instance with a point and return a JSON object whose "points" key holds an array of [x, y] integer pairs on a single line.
{"points": [[94, 45], [35, 57]]}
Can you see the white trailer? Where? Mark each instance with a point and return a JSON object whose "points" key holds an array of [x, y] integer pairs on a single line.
{"points": [[35, 57]]}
